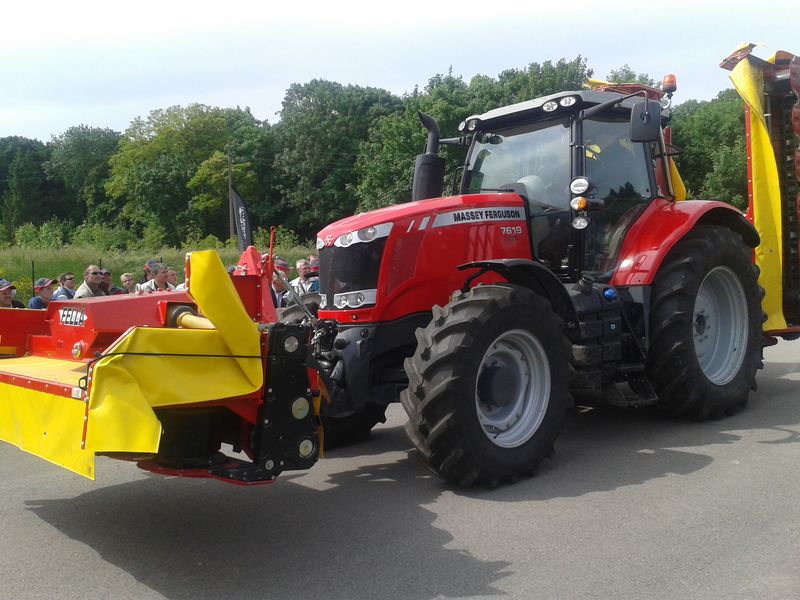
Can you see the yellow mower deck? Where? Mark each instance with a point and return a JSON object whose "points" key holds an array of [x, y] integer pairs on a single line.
{"points": [[45, 411]]}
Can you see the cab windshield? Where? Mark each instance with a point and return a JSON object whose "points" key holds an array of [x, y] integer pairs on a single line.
{"points": [[532, 159]]}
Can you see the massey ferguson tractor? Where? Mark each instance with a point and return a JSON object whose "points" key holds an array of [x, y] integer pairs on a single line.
{"points": [[569, 263]]}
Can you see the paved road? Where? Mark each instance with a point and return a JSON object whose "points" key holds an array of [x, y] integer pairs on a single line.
{"points": [[631, 506]]}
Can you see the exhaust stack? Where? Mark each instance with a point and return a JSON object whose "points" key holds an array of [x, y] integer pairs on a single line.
{"points": [[429, 167]]}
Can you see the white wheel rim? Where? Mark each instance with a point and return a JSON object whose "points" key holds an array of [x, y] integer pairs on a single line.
{"points": [[512, 388], [720, 325]]}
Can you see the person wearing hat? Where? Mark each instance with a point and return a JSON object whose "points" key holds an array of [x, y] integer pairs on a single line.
{"points": [[43, 288], [148, 275], [7, 300], [107, 285], [278, 289]]}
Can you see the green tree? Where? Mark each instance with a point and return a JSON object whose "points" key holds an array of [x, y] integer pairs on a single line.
{"points": [[26, 195], [79, 158], [710, 136], [322, 124], [159, 156], [627, 75]]}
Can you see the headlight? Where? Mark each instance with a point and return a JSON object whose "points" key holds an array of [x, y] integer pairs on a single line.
{"points": [[472, 124], [549, 106], [579, 186], [580, 222], [355, 299], [367, 234], [568, 101], [323, 301], [320, 243], [345, 240]]}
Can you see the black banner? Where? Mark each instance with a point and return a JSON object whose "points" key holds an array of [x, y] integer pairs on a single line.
{"points": [[243, 231]]}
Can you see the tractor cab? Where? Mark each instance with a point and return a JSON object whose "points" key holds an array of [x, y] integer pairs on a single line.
{"points": [[572, 158]]}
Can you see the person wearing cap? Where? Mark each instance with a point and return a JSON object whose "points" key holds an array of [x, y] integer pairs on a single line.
{"points": [[148, 275], [43, 287], [90, 288], [278, 290], [66, 288], [7, 299], [107, 285]]}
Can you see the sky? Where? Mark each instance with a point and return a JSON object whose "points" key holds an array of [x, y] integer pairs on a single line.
{"points": [[103, 64]]}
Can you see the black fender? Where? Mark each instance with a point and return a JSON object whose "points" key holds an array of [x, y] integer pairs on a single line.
{"points": [[530, 274]]}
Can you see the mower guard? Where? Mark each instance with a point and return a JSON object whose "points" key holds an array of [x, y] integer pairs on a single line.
{"points": [[67, 411]]}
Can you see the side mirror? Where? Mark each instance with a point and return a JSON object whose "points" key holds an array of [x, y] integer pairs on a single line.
{"points": [[646, 121]]}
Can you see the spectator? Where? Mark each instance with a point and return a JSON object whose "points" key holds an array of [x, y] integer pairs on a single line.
{"points": [[172, 277], [43, 288], [312, 277], [90, 288], [107, 285], [278, 289], [66, 288], [300, 283], [7, 291], [128, 283], [147, 274], [159, 273]]}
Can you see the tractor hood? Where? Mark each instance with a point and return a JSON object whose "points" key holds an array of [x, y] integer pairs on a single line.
{"points": [[419, 215]]}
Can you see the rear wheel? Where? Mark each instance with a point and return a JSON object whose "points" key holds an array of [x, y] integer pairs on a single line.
{"points": [[706, 321], [488, 385]]}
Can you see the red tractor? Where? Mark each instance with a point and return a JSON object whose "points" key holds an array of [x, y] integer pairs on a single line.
{"points": [[567, 263]]}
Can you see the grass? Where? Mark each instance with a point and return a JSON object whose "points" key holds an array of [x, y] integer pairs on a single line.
{"points": [[22, 266]]}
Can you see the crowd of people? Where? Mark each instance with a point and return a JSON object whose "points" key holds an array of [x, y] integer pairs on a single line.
{"points": [[157, 276], [96, 282], [307, 279]]}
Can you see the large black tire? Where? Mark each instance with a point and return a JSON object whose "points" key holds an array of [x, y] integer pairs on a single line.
{"points": [[351, 429], [488, 385], [338, 430], [705, 325], [295, 314]]}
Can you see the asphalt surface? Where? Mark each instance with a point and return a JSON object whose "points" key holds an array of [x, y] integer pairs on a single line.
{"points": [[631, 506]]}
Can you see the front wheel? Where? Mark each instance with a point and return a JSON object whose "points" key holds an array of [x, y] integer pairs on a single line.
{"points": [[705, 329], [488, 385]]}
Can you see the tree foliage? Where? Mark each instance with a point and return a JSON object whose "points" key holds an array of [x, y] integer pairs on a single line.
{"points": [[627, 75], [336, 149], [710, 136], [79, 159], [322, 124]]}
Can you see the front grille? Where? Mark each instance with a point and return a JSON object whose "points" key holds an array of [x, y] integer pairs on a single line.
{"points": [[349, 269]]}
